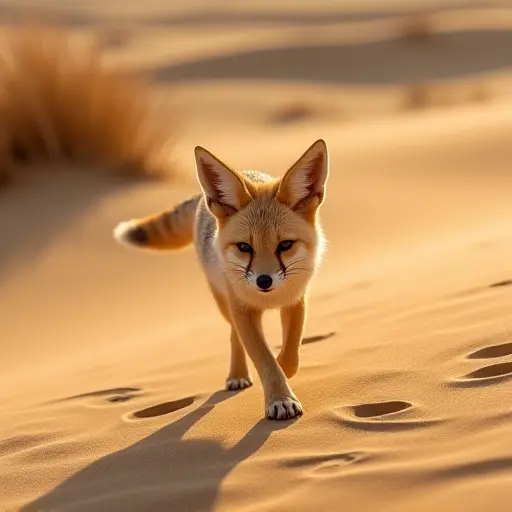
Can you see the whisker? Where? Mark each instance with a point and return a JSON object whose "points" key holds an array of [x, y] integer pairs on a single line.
{"points": [[236, 265], [239, 280], [291, 274], [294, 262]]}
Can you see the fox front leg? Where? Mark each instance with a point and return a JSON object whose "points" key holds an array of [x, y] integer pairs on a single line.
{"points": [[280, 401]]}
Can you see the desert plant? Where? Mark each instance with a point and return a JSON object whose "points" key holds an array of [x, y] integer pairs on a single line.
{"points": [[59, 102], [416, 28]]}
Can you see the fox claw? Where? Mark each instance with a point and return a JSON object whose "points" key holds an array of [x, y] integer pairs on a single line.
{"points": [[241, 383], [284, 409]]}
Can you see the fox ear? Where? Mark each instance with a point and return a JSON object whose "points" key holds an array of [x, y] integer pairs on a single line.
{"points": [[224, 188], [303, 186]]}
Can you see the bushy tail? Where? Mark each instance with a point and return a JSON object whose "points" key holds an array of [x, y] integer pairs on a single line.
{"points": [[164, 231]]}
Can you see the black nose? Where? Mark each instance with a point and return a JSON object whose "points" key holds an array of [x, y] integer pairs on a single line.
{"points": [[264, 281]]}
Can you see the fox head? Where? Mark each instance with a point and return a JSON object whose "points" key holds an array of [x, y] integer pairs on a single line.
{"points": [[268, 236]]}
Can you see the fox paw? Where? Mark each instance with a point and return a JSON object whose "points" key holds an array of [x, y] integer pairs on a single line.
{"points": [[238, 383], [284, 409]]}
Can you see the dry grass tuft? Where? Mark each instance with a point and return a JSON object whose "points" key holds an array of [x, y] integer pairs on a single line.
{"points": [[417, 96], [480, 93], [429, 95], [416, 29], [58, 103], [292, 113]]}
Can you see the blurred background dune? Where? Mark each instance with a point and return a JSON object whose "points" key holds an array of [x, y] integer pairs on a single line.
{"points": [[111, 360]]}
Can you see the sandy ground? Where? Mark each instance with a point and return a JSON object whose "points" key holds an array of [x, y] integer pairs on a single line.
{"points": [[113, 361]]}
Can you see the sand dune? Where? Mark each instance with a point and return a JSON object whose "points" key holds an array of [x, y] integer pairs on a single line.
{"points": [[371, 63], [113, 361]]}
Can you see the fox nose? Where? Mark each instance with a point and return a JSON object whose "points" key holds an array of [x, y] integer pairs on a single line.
{"points": [[264, 281]]}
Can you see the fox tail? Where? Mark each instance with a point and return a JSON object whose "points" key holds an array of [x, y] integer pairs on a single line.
{"points": [[165, 231]]}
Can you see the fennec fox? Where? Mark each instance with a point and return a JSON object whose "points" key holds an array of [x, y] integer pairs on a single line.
{"points": [[259, 241]]}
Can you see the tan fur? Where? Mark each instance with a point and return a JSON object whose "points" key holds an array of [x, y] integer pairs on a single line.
{"points": [[58, 102], [238, 376], [260, 243], [292, 319], [163, 231]]}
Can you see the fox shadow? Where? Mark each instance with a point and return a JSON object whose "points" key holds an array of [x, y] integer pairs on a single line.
{"points": [[164, 471]]}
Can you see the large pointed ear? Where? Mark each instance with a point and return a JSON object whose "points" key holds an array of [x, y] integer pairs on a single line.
{"points": [[225, 190], [303, 185]]}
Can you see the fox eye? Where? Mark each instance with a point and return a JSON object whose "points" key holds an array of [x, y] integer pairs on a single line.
{"points": [[244, 247], [285, 245]]}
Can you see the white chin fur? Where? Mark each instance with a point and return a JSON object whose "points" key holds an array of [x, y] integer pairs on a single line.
{"points": [[121, 230]]}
